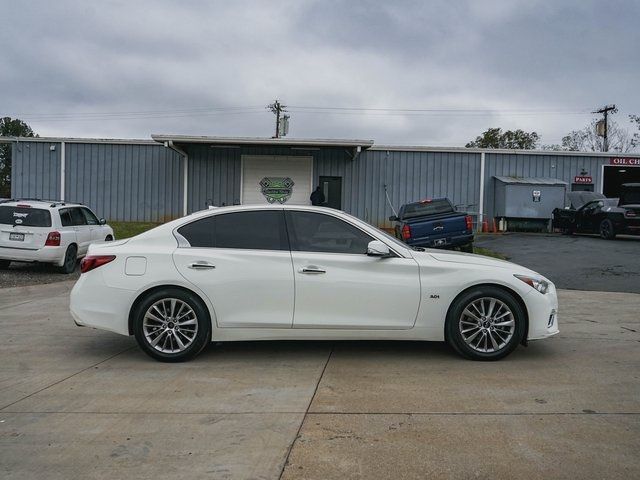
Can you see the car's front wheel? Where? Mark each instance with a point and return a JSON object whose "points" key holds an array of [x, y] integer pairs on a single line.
{"points": [[607, 230], [172, 325], [485, 323]]}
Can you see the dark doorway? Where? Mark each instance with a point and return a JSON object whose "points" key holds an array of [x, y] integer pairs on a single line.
{"points": [[582, 187], [614, 177], [332, 189]]}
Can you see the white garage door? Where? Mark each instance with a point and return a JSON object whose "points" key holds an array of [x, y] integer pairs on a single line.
{"points": [[276, 179]]}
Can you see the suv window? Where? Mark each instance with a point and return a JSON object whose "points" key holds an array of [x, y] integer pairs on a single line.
{"points": [[258, 230], [318, 232], [65, 218], [90, 217], [27, 216]]}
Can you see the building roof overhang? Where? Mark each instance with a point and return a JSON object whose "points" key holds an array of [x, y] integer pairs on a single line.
{"points": [[262, 141]]}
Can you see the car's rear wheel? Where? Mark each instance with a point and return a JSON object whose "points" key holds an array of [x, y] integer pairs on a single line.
{"points": [[607, 230], [70, 259], [108, 238], [172, 325], [485, 323], [4, 264]]}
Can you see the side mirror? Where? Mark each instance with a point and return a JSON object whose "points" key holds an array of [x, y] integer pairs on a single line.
{"points": [[378, 249], [393, 218], [103, 221]]}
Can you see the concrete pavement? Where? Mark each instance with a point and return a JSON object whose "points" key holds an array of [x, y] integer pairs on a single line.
{"points": [[80, 403]]}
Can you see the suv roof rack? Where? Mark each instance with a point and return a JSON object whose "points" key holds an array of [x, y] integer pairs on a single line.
{"points": [[53, 203]]}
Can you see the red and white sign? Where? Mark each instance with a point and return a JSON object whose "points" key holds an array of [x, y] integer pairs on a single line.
{"points": [[625, 161], [582, 179]]}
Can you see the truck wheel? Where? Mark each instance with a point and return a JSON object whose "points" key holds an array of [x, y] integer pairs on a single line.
{"points": [[607, 231], [4, 264]]}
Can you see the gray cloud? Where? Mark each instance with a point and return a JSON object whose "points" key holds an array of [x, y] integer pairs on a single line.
{"points": [[72, 57]]}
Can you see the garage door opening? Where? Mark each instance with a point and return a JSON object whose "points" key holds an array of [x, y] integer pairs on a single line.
{"points": [[275, 179], [615, 176]]}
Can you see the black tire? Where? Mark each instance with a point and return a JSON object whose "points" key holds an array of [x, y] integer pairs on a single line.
{"points": [[70, 260], [607, 230], [108, 238], [456, 322], [202, 335], [4, 264]]}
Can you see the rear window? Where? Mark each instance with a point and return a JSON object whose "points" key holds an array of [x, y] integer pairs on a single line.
{"points": [[258, 230], [433, 207], [26, 216]]}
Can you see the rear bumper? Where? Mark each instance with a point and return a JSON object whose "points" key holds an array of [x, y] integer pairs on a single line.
{"points": [[45, 254], [89, 308], [436, 242]]}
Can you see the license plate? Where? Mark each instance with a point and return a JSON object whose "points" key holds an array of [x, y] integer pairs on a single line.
{"points": [[442, 241], [18, 237]]}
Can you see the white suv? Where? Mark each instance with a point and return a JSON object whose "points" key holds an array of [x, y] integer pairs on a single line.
{"points": [[49, 232]]}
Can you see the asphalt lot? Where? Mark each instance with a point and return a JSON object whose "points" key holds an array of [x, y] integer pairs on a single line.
{"points": [[577, 262], [82, 403], [21, 274]]}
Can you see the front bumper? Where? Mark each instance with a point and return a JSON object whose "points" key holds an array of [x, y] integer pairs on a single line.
{"points": [[543, 313]]}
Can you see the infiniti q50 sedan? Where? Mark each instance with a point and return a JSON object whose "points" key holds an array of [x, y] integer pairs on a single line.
{"points": [[295, 272]]}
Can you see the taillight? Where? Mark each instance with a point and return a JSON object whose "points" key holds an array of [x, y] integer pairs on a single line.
{"points": [[53, 239], [406, 232], [91, 262], [469, 222], [629, 213]]}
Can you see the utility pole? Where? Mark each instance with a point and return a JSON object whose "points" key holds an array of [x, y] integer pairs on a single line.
{"points": [[605, 132], [277, 108]]}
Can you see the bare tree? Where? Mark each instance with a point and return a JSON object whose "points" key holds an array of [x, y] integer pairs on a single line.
{"points": [[586, 140]]}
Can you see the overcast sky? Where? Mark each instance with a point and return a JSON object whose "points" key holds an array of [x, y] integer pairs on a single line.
{"points": [[127, 69]]}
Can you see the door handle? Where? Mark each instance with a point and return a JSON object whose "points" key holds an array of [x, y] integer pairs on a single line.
{"points": [[201, 266], [312, 269]]}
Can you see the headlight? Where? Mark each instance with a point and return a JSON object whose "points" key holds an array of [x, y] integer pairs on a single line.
{"points": [[539, 284]]}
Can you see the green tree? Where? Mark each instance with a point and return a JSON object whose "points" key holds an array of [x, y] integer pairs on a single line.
{"points": [[510, 139], [10, 128]]}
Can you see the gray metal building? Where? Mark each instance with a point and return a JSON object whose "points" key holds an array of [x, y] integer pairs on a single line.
{"points": [[171, 175]]}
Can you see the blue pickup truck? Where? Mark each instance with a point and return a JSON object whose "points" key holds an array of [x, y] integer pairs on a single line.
{"points": [[434, 223]]}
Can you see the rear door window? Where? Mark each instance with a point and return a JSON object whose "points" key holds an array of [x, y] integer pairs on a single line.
{"points": [[65, 218], [254, 230], [25, 216]]}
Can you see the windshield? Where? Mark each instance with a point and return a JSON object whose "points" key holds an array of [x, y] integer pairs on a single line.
{"points": [[433, 207], [25, 216]]}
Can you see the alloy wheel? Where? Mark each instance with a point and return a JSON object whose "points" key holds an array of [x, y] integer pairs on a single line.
{"points": [[487, 325], [170, 325]]}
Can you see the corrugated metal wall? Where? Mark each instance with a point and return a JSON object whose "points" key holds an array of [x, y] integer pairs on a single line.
{"points": [[409, 177], [126, 182], [35, 170], [562, 167], [144, 182]]}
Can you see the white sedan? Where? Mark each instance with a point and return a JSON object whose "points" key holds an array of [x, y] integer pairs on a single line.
{"points": [[295, 272]]}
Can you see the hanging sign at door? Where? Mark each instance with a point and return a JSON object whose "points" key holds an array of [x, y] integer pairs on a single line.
{"points": [[625, 161], [276, 189], [582, 179]]}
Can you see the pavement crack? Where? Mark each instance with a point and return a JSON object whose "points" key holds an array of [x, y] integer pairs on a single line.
{"points": [[66, 378], [297, 435]]}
